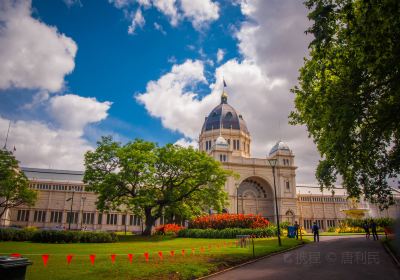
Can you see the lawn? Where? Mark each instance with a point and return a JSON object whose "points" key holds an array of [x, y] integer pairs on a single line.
{"points": [[217, 254]]}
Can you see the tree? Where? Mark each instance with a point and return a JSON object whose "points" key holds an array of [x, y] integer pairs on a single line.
{"points": [[154, 181], [14, 186], [349, 94]]}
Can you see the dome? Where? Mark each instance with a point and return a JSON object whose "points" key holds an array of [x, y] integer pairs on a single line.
{"points": [[279, 146], [226, 114], [221, 142]]}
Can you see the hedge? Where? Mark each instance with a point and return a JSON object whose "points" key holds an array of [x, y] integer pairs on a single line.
{"points": [[54, 236], [227, 232]]}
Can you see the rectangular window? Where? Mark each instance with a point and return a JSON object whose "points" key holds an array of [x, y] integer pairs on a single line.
{"points": [[39, 216], [112, 219], [55, 217], [287, 186], [100, 219], [73, 217], [123, 219], [134, 220], [23, 216], [88, 218]]}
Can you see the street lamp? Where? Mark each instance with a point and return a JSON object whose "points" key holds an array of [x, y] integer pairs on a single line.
{"points": [[273, 163], [70, 211], [237, 197], [83, 206]]}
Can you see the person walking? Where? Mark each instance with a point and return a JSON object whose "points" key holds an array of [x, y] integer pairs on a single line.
{"points": [[366, 228], [373, 229], [296, 229], [315, 230]]}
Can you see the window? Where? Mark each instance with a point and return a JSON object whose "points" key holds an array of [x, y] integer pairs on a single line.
{"points": [[88, 218], [287, 184], [307, 224], [72, 217], [331, 223], [23, 215], [123, 219], [40, 216], [100, 218], [134, 220], [55, 217], [112, 219], [222, 158]]}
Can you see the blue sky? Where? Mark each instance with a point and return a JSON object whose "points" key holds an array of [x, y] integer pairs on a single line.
{"points": [[76, 70]]}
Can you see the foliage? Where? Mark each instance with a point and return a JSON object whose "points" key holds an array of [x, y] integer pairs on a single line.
{"points": [[221, 221], [381, 222], [54, 236], [168, 229], [331, 229], [153, 181], [349, 94], [228, 232], [14, 186], [284, 225]]}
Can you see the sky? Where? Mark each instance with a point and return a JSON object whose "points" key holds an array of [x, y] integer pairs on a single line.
{"points": [[72, 71]]}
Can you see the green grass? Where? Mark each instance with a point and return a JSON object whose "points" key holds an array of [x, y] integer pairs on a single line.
{"points": [[177, 267]]}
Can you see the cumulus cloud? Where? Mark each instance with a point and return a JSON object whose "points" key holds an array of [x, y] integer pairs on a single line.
{"points": [[74, 112], [32, 54], [187, 142], [43, 144], [168, 8], [137, 20], [200, 12], [220, 55], [273, 44]]}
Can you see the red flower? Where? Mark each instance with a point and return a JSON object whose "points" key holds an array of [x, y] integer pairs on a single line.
{"points": [[220, 221]]}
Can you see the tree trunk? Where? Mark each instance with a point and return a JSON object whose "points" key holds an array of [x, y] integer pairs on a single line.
{"points": [[149, 221]]}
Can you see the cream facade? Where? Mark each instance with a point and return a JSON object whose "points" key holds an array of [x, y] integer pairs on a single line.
{"points": [[225, 137]]}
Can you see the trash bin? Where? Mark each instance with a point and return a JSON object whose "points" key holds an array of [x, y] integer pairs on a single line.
{"points": [[13, 268], [291, 233]]}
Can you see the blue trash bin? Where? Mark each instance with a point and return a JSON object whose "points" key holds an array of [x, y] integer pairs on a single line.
{"points": [[291, 232]]}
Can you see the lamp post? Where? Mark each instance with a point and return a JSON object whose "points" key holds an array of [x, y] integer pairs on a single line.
{"points": [[273, 163], [237, 197], [83, 206], [70, 211]]}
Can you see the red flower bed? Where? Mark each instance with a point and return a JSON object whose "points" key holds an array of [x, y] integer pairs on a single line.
{"points": [[221, 221], [168, 229]]}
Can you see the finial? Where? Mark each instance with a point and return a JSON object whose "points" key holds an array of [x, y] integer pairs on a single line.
{"points": [[224, 95]]}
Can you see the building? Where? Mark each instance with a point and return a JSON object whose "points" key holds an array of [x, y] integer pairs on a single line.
{"points": [[64, 202]]}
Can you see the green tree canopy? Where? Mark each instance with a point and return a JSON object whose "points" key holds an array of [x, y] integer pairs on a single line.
{"points": [[349, 94], [14, 186], [153, 181]]}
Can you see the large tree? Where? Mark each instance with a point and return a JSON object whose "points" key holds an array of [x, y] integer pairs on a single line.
{"points": [[153, 181], [14, 186], [349, 94]]}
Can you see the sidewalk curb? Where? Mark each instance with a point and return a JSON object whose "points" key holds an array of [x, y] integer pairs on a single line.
{"points": [[249, 262], [387, 249]]}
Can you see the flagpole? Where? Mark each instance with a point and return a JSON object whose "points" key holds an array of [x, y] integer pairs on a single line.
{"points": [[8, 131]]}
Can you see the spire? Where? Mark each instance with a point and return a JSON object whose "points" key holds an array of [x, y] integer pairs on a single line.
{"points": [[224, 95]]}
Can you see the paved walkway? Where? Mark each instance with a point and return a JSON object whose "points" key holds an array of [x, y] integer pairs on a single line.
{"points": [[346, 257]]}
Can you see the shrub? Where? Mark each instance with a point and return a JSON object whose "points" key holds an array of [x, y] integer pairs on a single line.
{"points": [[222, 221], [168, 229], [51, 236], [331, 229], [14, 234], [228, 232]]}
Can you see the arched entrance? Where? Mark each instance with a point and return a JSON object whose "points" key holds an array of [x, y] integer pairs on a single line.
{"points": [[255, 197], [289, 217]]}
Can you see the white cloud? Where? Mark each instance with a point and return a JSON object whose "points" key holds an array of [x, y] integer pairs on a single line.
{"points": [[39, 145], [186, 142], [160, 28], [137, 20], [220, 55], [169, 8], [74, 112], [171, 99], [200, 12], [32, 54]]}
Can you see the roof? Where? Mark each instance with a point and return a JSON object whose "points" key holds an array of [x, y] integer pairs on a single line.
{"points": [[229, 117], [315, 190], [57, 175], [281, 146]]}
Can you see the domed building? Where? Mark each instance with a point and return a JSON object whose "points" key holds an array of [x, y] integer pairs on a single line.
{"points": [[225, 137]]}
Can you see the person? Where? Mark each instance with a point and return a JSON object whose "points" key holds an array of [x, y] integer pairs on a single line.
{"points": [[315, 230], [366, 228], [296, 229], [373, 229]]}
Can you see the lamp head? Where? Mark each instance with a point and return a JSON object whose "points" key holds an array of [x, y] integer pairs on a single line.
{"points": [[272, 162]]}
